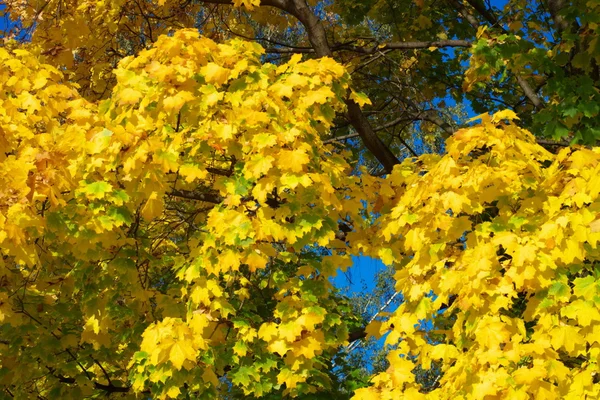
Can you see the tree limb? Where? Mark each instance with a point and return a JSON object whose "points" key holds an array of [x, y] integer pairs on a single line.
{"points": [[554, 7], [374, 49], [318, 38], [402, 46]]}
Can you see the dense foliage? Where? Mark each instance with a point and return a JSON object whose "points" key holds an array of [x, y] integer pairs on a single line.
{"points": [[175, 199]]}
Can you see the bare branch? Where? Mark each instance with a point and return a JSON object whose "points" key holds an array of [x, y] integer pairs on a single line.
{"points": [[340, 138], [360, 333]]}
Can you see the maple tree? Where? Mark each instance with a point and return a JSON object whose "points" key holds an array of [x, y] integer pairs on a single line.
{"points": [[179, 182]]}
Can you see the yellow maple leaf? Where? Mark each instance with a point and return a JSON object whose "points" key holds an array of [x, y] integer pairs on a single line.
{"points": [[209, 376], [258, 166], [309, 347], [198, 323], [400, 369], [267, 331], [229, 260], [214, 73], [249, 4], [296, 80], [444, 351], [181, 351], [374, 329], [290, 378], [200, 295], [319, 96], [293, 160], [360, 98], [529, 375], [154, 206], [279, 346], [192, 172], [312, 317], [92, 324], [255, 261], [173, 391], [40, 81], [290, 330], [176, 102], [504, 114], [585, 312], [129, 96], [386, 255]]}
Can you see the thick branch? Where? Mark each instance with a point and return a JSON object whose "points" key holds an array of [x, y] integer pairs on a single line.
{"points": [[547, 142], [465, 13], [376, 48], [375, 145], [107, 388], [357, 335], [403, 46], [483, 11], [555, 6], [273, 3], [529, 93], [316, 32], [318, 39]]}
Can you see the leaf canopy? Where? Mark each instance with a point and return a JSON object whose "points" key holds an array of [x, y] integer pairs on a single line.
{"points": [[175, 200]]}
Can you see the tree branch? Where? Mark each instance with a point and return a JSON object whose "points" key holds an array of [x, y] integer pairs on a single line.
{"points": [[340, 138], [207, 197], [529, 93], [273, 3], [374, 49], [483, 11], [402, 46], [360, 333], [110, 388], [554, 7], [318, 38]]}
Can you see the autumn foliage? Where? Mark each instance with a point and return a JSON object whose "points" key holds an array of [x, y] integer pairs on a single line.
{"points": [[169, 228]]}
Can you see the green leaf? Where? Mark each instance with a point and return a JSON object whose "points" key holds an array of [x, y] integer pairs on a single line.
{"points": [[585, 287], [96, 190], [244, 375], [559, 290]]}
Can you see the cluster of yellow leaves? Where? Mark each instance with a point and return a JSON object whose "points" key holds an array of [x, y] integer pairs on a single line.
{"points": [[89, 37], [36, 147], [188, 107], [99, 201], [161, 235], [497, 245]]}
